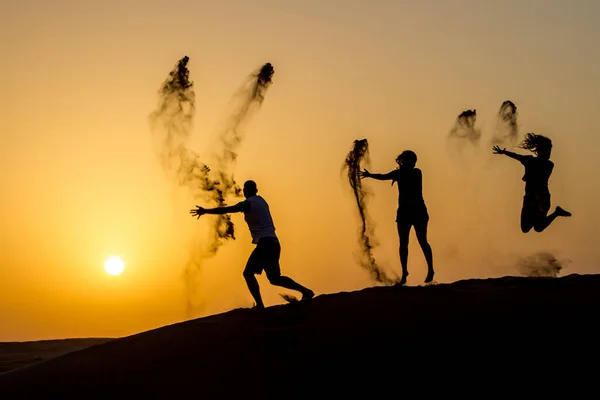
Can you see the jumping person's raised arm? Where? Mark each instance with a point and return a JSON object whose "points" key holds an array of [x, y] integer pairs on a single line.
{"points": [[380, 177], [498, 150], [240, 207]]}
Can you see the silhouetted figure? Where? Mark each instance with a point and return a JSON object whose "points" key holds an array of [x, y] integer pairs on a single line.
{"points": [[412, 210], [538, 169], [266, 254]]}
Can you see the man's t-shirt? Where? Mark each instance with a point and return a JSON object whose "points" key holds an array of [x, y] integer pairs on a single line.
{"points": [[258, 218]]}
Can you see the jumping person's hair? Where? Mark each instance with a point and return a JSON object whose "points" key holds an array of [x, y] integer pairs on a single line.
{"points": [[534, 143]]}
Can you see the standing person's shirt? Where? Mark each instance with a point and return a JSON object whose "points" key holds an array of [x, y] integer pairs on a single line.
{"points": [[410, 188], [258, 217]]}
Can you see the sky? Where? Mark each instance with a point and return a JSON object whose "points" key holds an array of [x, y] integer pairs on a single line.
{"points": [[81, 181]]}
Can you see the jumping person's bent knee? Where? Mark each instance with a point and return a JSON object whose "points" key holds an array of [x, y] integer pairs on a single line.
{"points": [[538, 228]]}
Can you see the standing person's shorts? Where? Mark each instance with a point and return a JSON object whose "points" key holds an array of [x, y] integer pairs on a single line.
{"points": [[265, 257], [412, 215]]}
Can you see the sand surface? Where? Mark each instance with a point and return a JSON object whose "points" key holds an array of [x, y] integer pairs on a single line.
{"points": [[484, 336]]}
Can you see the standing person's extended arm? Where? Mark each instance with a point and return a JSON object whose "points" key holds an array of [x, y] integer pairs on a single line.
{"points": [[380, 177]]}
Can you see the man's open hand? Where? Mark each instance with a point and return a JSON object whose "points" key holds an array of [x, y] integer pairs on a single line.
{"points": [[197, 212]]}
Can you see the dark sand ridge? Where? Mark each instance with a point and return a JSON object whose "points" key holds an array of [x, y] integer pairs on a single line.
{"points": [[483, 336]]}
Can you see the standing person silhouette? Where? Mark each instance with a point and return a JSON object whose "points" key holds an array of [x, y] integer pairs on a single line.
{"points": [[266, 254], [412, 211], [538, 168]]}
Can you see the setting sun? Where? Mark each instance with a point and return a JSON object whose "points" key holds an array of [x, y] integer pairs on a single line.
{"points": [[114, 266]]}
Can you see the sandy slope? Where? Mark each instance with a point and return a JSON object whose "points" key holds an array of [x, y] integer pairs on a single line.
{"points": [[505, 334]]}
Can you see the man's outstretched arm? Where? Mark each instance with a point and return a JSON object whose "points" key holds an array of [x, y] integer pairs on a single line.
{"points": [[240, 207]]}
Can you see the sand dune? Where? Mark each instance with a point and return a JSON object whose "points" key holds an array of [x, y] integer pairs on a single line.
{"points": [[480, 335]]}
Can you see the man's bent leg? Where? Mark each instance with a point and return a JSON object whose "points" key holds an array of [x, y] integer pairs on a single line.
{"points": [[251, 269], [289, 283], [272, 251]]}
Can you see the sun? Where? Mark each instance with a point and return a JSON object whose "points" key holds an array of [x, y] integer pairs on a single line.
{"points": [[114, 266]]}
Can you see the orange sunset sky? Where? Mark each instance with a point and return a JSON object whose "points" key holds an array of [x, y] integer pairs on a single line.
{"points": [[81, 181]]}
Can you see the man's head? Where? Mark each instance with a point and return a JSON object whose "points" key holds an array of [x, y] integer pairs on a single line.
{"points": [[250, 189]]}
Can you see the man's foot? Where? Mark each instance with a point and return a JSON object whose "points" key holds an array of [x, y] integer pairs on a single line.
{"points": [[429, 277], [258, 307], [561, 212], [308, 295]]}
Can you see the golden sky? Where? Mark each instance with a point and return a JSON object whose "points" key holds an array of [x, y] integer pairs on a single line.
{"points": [[81, 181]]}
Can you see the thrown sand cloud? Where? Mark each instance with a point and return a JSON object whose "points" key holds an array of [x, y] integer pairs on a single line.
{"points": [[359, 154], [542, 264], [171, 125], [506, 125], [464, 127], [247, 100]]}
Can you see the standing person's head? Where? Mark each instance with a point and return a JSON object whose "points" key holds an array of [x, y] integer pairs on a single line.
{"points": [[407, 159], [538, 144], [250, 189]]}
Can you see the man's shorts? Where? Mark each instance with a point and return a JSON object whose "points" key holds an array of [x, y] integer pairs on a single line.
{"points": [[265, 257]]}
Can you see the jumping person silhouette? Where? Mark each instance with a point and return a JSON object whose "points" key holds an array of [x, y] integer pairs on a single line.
{"points": [[266, 254], [538, 168], [412, 210]]}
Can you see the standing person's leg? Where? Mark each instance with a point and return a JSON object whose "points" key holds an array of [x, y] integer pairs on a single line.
{"points": [[270, 262], [253, 267], [403, 225], [421, 232]]}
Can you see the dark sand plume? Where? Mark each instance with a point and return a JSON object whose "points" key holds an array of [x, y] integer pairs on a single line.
{"points": [[507, 129], [542, 264], [171, 125], [247, 100], [289, 298], [464, 127], [359, 154]]}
